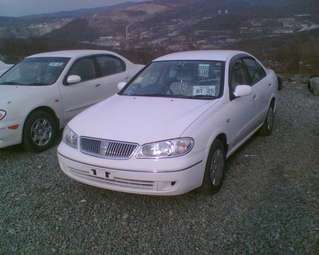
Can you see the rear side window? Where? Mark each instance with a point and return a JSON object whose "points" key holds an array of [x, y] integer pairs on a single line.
{"points": [[255, 70], [109, 65], [239, 75], [85, 68]]}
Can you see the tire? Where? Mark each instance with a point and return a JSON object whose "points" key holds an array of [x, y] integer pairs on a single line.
{"points": [[309, 87], [267, 127], [215, 172], [280, 83], [40, 131]]}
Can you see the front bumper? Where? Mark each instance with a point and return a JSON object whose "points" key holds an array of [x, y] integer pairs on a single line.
{"points": [[8, 136], [159, 182]]}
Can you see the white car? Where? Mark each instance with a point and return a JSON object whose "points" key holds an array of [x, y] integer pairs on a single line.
{"points": [[42, 93], [171, 128]]}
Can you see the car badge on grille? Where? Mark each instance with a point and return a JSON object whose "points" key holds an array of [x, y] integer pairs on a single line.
{"points": [[104, 146]]}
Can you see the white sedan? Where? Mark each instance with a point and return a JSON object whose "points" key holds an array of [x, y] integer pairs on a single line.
{"points": [[42, 93], [171, 128]]}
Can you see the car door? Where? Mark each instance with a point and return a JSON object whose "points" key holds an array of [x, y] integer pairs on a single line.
{"points": [[240, 110], [77, 97], [111, 71], [260, 85]]}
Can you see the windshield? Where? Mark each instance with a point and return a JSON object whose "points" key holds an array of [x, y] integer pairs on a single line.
{"points": [[181, 79], [35, 72]]}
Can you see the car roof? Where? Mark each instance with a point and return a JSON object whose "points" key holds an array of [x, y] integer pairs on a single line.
{"points": [[72, 53], [213, 55]]}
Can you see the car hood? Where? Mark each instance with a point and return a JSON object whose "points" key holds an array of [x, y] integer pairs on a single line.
{"points": [[13, 92], [139, 119]]}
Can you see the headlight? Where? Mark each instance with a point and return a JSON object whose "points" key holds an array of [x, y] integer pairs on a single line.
{"points": [[166, 149], [70, 137], [3, 113]]}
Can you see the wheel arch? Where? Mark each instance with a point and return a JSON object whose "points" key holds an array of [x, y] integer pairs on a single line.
{"points": [[219, 136], [46, 109], [223, 138]]}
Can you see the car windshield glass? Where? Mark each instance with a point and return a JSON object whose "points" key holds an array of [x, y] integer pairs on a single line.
{"points": [[180, 79], [35, 72]]}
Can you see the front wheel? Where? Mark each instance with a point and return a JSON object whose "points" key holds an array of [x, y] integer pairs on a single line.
{"points": [[215, 167], [267, 127], [40, 131]]}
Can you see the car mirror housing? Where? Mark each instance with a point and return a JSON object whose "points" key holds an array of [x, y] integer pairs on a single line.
{"points": [[73, 79], [242, 90], [121, 85]]}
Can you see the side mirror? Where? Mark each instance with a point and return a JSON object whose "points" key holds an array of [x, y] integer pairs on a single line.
{"points": [[121, 85], [242, 90], [73, 79]]}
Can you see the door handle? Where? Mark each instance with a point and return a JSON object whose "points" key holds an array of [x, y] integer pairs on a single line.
{"points": [[254, 97], [269, 85], [98, 85]]}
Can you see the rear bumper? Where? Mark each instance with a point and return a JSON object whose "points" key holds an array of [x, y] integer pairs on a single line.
{"points": [[161, 183]]}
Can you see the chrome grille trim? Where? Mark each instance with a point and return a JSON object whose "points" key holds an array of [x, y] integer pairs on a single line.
{"points": [[91, 145], [107, 149]]}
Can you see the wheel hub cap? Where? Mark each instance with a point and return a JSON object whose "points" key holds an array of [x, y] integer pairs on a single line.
{"points": [[41, 132]]}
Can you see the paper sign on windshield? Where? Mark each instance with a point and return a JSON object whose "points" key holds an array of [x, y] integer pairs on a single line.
{"points": [[204, 91], [203, 70], [56, 64]]}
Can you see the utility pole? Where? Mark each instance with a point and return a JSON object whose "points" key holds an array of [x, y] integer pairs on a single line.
{"points": [[127, 35]]}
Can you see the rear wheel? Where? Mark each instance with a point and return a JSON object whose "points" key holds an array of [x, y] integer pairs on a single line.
{"points": [[215, 167], [267, 127], [40, 131]]}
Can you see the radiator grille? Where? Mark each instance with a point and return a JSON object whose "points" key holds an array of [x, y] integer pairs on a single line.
{"points": [[106, 148]]}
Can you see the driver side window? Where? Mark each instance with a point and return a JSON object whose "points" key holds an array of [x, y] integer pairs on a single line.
{"points": [[256, 72], [85, 68], [239, 75]]}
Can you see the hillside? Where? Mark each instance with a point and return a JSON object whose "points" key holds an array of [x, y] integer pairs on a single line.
{"points": [[269, 27]]}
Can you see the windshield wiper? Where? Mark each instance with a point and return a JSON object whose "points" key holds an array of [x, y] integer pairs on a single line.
{"points": [[148, 95], [162, 95], [35, 84], [173, 96], [11, 83], [203, 97]]}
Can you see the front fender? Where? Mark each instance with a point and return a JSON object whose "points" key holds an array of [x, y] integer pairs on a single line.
{"points": [[212, 138]]}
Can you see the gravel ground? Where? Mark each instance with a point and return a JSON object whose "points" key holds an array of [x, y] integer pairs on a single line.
{"points": [[269, 203]]}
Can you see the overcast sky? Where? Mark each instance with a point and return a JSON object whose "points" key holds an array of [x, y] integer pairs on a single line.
{"points": [[27, 7]]}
